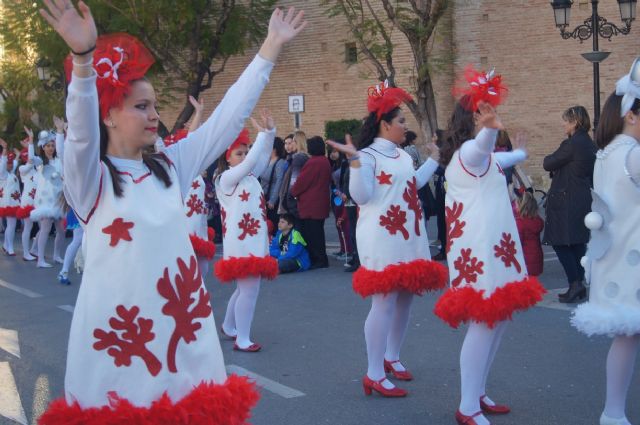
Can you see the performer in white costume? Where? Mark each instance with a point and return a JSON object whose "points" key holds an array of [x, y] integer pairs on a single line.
{"points": [[244, 230], [143, 347], [612, 261], [487, 272], [28, 175], [10, 196], [49, 200], [391, 235]]}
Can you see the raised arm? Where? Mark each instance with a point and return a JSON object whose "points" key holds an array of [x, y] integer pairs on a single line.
{"points": [[3, 160], [232, 176], [60, 127], [476, 153], [209, 141], [516, 156], [362, 170], [429, 167]]}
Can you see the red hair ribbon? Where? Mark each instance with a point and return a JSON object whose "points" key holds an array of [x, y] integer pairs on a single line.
{"points": [[481, 87], [242, 139], [383, 98], [119, 59]]}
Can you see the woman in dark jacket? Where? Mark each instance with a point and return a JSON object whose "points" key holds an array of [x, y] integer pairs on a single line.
{"points": [[569, 199], [312, 189]]}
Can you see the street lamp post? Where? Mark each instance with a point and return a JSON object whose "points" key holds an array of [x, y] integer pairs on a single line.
{"points": [[596, 26]]}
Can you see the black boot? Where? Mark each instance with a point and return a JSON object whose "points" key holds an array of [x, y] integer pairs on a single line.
{"points": [[577, 292]]}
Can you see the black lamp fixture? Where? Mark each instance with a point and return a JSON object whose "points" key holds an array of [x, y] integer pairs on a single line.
{"points": [[594, 27], [43, 68]]}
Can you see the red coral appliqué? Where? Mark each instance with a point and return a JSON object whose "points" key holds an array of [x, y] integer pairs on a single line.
{"points": [[131, 342], [410, 195], [223, 216], [263, 206], [16, 195], [468, 266], [506, 251], [188, 283], [394, 221], [32, 193], [195, 204], [455, 226], [248, 225]]}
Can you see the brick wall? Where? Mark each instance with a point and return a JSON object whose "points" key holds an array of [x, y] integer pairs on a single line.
{"points": [[545, 74]]}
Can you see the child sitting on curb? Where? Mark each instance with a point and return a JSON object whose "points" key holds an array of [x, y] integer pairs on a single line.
{"points": [[288, 247]]}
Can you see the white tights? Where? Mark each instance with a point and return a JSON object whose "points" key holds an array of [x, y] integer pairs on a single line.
{"points": [[43, 237], [9, 234], [384, 331], [620, 365], [27, 226], [240, 310], [476, 357], [72, 249]]}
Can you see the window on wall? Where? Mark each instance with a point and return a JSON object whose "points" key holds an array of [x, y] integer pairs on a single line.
{"points": [[350, 53]]}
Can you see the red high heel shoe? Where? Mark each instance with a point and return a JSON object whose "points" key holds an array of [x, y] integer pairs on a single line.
{"points": [[467, 420], [404, 375], [370, 385], [498, 409], [253, 348]]}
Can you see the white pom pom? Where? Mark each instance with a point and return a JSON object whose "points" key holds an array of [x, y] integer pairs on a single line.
{"points": [[593, 220], [55, 175], [584, 261]]}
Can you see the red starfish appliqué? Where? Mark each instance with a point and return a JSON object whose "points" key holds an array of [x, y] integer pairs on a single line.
{"points": [[244, 196], [119, 229], [195, 184], [384, 178]]}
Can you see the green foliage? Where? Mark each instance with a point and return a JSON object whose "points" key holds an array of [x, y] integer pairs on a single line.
{"points": [[335, 130]]}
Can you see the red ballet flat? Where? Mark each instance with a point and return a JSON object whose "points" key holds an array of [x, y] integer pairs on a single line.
{"points": [[404, 375], [370, 385], [467, 420], [253, 348], [233, 337], [498, 409]]}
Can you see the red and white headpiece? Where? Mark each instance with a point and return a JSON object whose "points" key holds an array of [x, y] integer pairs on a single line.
{"points": [[175, 138], [118, 60], [481, 86], [383, 98], [242, 139]]}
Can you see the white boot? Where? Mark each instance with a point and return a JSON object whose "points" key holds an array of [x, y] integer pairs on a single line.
{"points": [[605, 420]]}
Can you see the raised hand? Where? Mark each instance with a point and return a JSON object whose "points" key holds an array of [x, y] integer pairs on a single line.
{"points": [[433, 149], [266, 123], [348, 148], [282, 29], [29, 134], [488, 117], [197, 115], [77, 30], [59, 124], [521, 141]]}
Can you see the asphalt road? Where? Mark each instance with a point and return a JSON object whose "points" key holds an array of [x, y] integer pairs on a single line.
{"points": [[311, 326]]}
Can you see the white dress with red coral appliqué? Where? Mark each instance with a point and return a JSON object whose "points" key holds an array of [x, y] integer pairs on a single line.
{"points": [[487, 272], [244, 233], [391, 236], [10, 193], [143, 324], [195, 210], [28, 175]]}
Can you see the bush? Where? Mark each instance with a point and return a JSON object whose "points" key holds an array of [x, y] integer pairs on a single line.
{"points": [[337, 129]]}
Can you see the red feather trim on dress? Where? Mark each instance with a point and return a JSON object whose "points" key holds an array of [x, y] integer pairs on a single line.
{"points": [[417, 276], [206, 404], [25, 212], [460, 305], [202, 248], [9, 211], [233, 268]]}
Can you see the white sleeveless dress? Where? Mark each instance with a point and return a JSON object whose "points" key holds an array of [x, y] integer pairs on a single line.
{"points": [[391, 236], [10, 196], [244, 233], [487, 272], [612, 262]]}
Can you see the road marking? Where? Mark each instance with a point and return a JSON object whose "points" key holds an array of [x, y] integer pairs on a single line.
{"points": [[551, 259], [41, 398], [10, 404], [266, 383], [9, 342], [551, 301], [67, 308], [20, 290]]}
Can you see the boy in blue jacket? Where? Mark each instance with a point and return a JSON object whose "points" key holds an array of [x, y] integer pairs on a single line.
{"points": [[288, 247]]}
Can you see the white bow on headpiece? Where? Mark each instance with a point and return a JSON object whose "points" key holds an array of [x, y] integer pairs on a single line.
{"points": [[629, 88], [113, 71]]}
